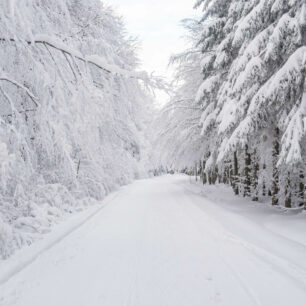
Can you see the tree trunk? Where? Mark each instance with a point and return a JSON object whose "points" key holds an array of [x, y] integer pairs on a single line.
{"points": [[302, 190], [275, 155], [209, 177], [235, 174], [255, 177], [225, 175], [288, 192], [263, 182], [204, 174], [214, 176], [303, 31], [247, 170]]}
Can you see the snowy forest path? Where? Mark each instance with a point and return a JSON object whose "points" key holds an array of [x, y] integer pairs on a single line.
{"points": [[158, 243]]}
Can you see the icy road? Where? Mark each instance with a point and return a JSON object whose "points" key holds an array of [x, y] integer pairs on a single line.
{"points": [[159, 242]]}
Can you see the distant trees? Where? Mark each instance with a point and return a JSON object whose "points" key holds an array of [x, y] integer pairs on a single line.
{"points": [[252, 98], [178, 131]]}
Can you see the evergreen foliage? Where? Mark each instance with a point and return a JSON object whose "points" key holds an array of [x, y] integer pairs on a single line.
{"points": [[252, 98]]}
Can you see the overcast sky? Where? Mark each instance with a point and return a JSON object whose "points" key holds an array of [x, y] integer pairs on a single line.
{"points": [[157, 24]]}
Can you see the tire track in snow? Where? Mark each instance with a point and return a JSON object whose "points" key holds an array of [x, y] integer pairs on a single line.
{"points": [[296, 273], [249, 292]]}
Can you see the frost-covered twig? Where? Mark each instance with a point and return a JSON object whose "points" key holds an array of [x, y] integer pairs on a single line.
{"points": [[29, 93]]}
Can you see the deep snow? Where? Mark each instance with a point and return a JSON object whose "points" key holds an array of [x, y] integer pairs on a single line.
{"points": [[167, 242]]}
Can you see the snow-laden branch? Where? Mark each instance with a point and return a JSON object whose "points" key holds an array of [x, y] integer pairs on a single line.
{"points": [[152, 81], [92, 59], [170, 109], [29, 93], [90, 132]]}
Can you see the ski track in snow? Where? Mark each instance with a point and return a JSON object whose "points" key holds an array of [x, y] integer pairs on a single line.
{"points": [[158, 242]]}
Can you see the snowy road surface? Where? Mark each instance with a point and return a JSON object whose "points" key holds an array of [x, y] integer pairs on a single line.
{"points": [[160, 243]]}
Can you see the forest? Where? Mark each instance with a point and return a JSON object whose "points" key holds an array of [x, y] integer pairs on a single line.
{"points": [[238, 114], [74, 110], [152, 152], [77, 118]]}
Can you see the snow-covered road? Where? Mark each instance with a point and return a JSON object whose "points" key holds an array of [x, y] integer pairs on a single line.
{"points": [[160, 243]]}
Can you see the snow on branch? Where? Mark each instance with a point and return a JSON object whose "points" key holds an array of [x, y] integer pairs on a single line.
{"points": [[29, 93], [92, 59]]}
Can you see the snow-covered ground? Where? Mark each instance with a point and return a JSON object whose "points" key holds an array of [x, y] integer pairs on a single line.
{"points": [[166, 242]]}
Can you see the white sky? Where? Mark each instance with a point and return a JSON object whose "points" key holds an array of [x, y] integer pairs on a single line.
{"points": [[157, 25]]}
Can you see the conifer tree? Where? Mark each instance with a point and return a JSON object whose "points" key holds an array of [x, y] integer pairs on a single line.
{"points": [[252, 95]]}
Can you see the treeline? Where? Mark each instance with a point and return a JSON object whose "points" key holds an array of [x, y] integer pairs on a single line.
{"points": [[250, 176], [239, 111]]}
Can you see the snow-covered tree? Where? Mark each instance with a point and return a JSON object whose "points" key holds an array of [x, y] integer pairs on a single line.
{"points": [[178, 141], [73, 112], [252, 96]]}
